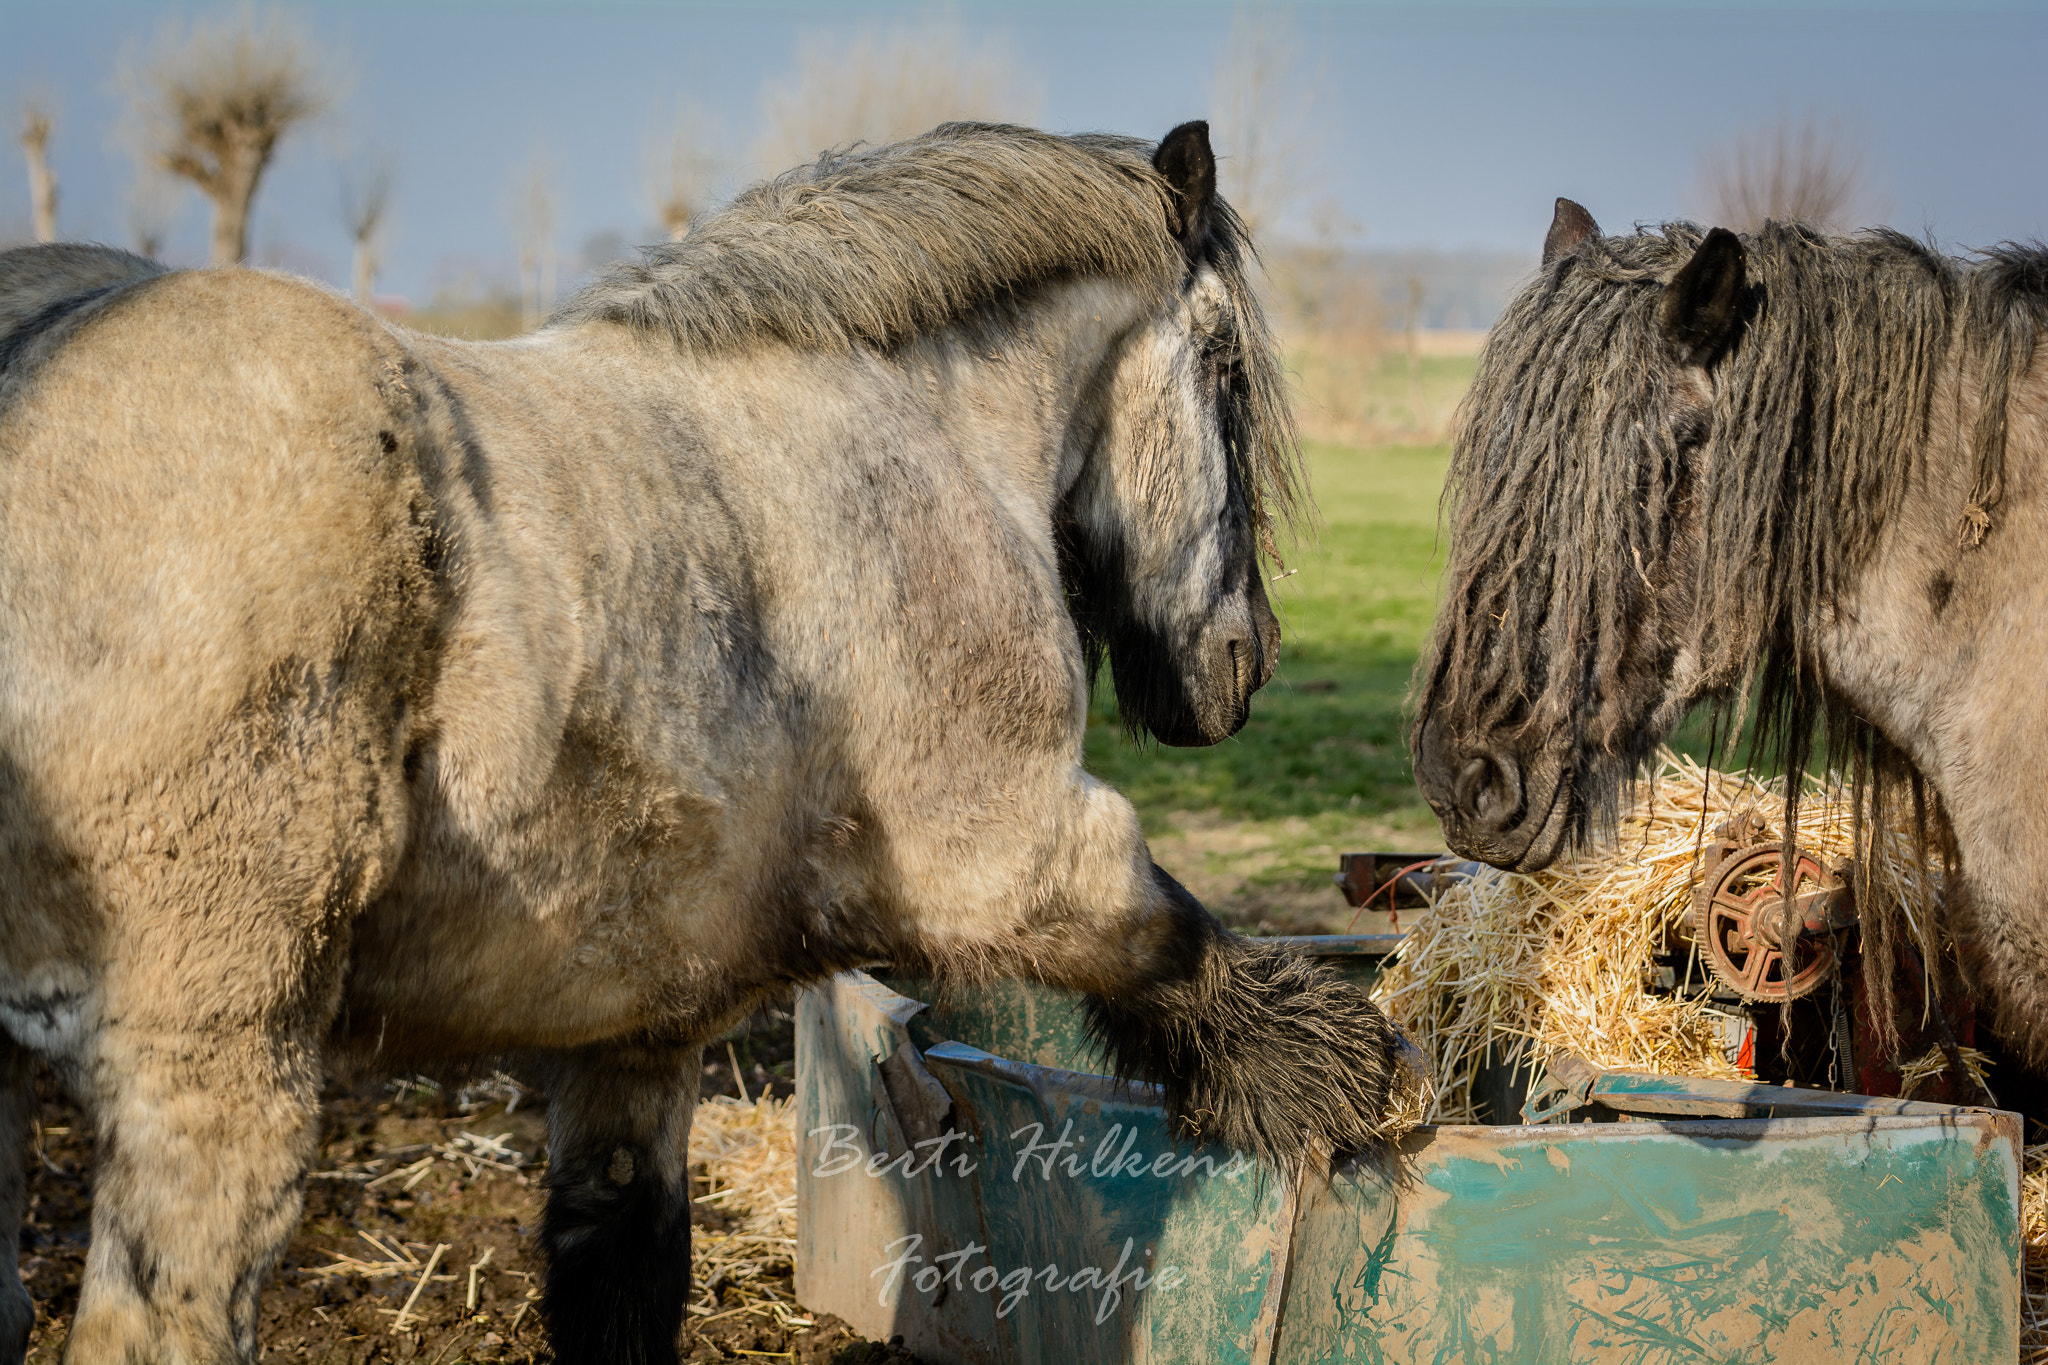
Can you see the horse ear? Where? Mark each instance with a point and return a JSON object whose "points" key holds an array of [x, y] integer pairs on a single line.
{"points": [[1570, 226], [1702, 307], [1188, 165]]}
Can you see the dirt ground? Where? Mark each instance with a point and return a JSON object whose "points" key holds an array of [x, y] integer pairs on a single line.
{"points": [[417, 1242], [412, 1178]]}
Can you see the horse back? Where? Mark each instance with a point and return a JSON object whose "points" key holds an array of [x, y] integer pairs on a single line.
{"points": [[40, 284]]}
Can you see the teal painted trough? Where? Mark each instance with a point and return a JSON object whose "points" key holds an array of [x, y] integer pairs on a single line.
{"points": [[965, 1183]]}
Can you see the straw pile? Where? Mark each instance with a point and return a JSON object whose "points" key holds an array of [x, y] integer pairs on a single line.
{"points": [[2034, 1238], [745, 1151], [1517, 968]]}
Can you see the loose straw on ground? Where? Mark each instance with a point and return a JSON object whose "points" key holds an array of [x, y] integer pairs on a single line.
{"points": [[398, 1323], [747, 1153]]}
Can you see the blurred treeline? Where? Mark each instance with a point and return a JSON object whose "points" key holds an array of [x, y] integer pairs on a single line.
{"points": [[1379, 340]]}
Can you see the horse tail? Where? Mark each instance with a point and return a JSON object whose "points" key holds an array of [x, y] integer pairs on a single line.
{"points": [[40, 286]]}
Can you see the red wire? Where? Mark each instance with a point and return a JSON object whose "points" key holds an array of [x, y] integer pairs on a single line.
{"points": [[1387, 886]]}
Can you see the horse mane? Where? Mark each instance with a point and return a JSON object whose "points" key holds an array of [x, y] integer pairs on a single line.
{"points": [[873, 246], [1823, 408]]}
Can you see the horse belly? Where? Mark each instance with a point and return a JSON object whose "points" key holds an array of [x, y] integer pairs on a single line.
{"points": [[577, 928]]}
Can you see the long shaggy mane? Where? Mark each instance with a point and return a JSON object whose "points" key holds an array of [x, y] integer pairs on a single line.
{"points": [[871, 247], [1564, 490]]}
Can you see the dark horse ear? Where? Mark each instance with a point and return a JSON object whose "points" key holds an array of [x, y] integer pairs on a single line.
{"points": [[1189, 166], [1570, 225], [1702, 307]]}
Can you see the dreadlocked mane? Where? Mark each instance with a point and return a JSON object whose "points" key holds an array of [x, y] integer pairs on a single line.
{"points": [[1569, 482]]}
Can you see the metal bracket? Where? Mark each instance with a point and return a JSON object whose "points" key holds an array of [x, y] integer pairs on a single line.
{"points": [[1567, 1085], [921, 1106]]}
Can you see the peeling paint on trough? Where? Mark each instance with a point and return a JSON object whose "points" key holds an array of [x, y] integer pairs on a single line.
{"points": [[964, 1182]]}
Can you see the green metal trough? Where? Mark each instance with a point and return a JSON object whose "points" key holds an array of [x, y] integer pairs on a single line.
{"points": [[966, 1183]]}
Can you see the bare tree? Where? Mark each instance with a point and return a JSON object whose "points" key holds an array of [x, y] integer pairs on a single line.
{"points": [[1262, 114], [152, 204], [211, 103], [1328, 311], [365, 195], [533, 229], [1802, 171], [885, 86], [42, 181], [682, 168]]}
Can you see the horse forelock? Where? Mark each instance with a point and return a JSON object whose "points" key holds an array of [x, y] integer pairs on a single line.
{"points": [[871, 247], [1562, 490], [1550, 421]]}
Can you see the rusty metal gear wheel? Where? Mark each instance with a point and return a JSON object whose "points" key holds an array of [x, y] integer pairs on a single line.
{"points": [[1738, 920]]}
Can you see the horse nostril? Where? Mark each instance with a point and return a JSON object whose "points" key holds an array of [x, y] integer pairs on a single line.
{"points": [[1470, 778], [1501, 799], [1489, 789]]}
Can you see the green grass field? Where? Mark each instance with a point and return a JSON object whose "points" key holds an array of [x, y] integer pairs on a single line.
{"points": [[1254, 825]]}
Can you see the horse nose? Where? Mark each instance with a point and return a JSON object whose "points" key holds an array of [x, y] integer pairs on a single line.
{"points": [[1488, 791], [1265, 650], [1265, 635]]}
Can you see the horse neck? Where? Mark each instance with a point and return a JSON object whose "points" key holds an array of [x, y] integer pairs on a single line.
{"points": [[1940, 637], [1026, 391]]}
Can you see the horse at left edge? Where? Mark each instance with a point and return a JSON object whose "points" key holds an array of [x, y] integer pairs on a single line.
{"points": [[369, 697]]}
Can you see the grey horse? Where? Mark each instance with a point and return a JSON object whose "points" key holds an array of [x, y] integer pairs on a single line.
{"points": [[1784, 467], [372, 696]]}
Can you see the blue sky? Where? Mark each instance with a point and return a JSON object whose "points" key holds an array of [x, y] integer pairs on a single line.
{"points": [[1449, 126]]}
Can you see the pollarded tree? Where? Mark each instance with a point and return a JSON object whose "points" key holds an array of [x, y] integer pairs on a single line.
{"points": [[533, 230], [1263, 113], [211, 105], [42, 181], [881, 87], [682, 168], [364, 198]]}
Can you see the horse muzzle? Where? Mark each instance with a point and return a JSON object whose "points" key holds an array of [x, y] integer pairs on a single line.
{"points": [[1235, 660], [1494, 803]]}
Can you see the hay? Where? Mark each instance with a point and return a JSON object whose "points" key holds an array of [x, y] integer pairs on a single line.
{"points": [[746, 1152], [2034, 1242], [1934, 1062], [1516, 969]]}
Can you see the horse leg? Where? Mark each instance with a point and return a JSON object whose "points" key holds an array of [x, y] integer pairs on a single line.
{"points": [[17, 1113], [202, 1070], [1256, 1046], [204, 1135], [617, 1226]]}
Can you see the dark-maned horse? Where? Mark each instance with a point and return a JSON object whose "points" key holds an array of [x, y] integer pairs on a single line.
{"points": [[1785, 466], [371, 693]]}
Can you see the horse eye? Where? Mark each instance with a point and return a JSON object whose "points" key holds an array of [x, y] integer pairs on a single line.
{"points": [[1690, 430]]}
